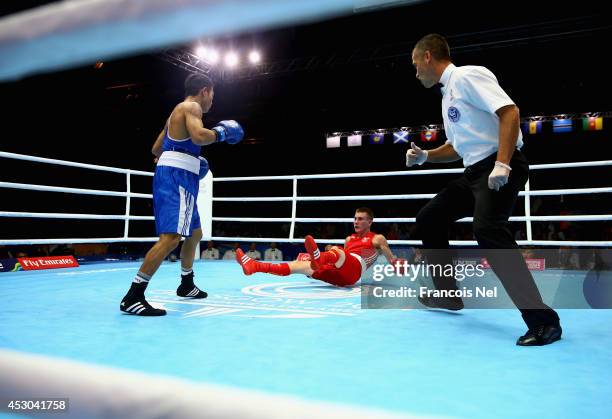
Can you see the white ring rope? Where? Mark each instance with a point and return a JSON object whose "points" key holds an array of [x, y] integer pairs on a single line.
{"points": [[98, 392], [46, 188], [74, 216], [80, 240], [584, 243], [343, 175], [528, 218], [409, 219], [16, 156], [576, 164], [547, 192], [408, 172]]}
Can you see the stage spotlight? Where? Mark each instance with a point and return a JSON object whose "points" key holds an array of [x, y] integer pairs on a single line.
{"points": [[231, 59], [254, 57], [212, 56], [202, 52]]}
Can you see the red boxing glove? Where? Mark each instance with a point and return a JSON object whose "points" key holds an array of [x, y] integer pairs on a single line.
{"points": [[401, 266]]}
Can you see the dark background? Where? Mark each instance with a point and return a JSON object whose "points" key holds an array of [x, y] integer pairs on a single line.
{"points": [[548, 58]]}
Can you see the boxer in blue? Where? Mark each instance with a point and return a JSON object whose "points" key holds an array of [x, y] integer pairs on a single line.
{"points": [[175, 190]]}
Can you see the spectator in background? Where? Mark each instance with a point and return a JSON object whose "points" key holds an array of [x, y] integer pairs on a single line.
{"points": [[231, 253], [405, 232], [41, 250], [568, 258], [62, 249], [528, 253], [519, 234], [553, 234], [5, 253], [536, 204], [273, 253], [211, 252], [253, 253], [393, 233], [417, 257]]}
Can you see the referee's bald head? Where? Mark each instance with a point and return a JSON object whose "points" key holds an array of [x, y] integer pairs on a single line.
{"points": [[436, 45]]}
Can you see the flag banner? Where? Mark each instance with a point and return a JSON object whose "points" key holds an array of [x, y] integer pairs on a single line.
{"points": [[532, 127], [562, 125], [429, 135], [592, 124], [377, 138], [354, 140], [333, 142], [400, 137]]}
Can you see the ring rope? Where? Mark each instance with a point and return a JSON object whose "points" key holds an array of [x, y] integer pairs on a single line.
{"points": [[528, 218]]}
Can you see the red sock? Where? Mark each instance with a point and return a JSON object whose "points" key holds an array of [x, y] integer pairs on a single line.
{"points": [[280, 269], [328, 257]]}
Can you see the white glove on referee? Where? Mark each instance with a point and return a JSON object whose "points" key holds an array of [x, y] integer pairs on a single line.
{"points": [[499, 175], [415, 155]]}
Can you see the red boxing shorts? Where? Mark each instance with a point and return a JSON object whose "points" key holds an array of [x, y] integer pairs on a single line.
{"points": [[347, 274]]}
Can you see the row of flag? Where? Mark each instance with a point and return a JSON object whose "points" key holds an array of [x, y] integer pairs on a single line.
{"points": [[559, 125], [564, 125], [399, 137]]}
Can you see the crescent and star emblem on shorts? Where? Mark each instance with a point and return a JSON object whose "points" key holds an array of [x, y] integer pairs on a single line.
{"points": [[453, 114]]}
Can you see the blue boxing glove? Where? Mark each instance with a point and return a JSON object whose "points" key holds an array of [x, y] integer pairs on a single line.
{"points": [[229, 131], [203, 167]]}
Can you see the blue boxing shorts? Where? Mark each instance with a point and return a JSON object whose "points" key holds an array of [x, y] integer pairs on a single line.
{"points": [[175, 192]]}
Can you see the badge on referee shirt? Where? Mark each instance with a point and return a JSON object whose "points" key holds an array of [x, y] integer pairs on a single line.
{"points": [[453, 114]]}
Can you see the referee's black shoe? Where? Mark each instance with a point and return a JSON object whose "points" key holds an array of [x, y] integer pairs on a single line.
{"points": [[541, 335], [453, 304]]}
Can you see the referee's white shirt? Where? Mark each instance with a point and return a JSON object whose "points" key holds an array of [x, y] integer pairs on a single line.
{"points": [[210, 254], [273, 254], [471, 95]]}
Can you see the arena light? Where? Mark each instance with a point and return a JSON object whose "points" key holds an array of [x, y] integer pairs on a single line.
{"points": [[254, 57], [201, 51], [208, 54], [231, 59], [212, 56]]}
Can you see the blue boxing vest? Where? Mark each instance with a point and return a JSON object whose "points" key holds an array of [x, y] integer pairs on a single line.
{"points": [[182, 146]]}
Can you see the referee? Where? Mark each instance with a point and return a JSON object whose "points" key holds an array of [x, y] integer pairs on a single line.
{"points": [[482, 127]]}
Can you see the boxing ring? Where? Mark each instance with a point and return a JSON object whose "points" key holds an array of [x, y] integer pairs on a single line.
{"points": [[260, 346], [264, 346]]}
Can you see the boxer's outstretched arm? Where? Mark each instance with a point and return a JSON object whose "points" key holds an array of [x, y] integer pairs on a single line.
{"points": [[195, 126]]}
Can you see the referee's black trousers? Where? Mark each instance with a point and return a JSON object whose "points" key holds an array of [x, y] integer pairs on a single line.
{"points": [[470, 195]]}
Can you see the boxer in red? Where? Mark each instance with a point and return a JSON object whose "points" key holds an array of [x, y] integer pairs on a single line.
{"points": [[340, 266]]}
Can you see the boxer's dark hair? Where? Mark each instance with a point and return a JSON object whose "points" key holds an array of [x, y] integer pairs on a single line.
{"points": [[196, 82], [367, 211]]}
